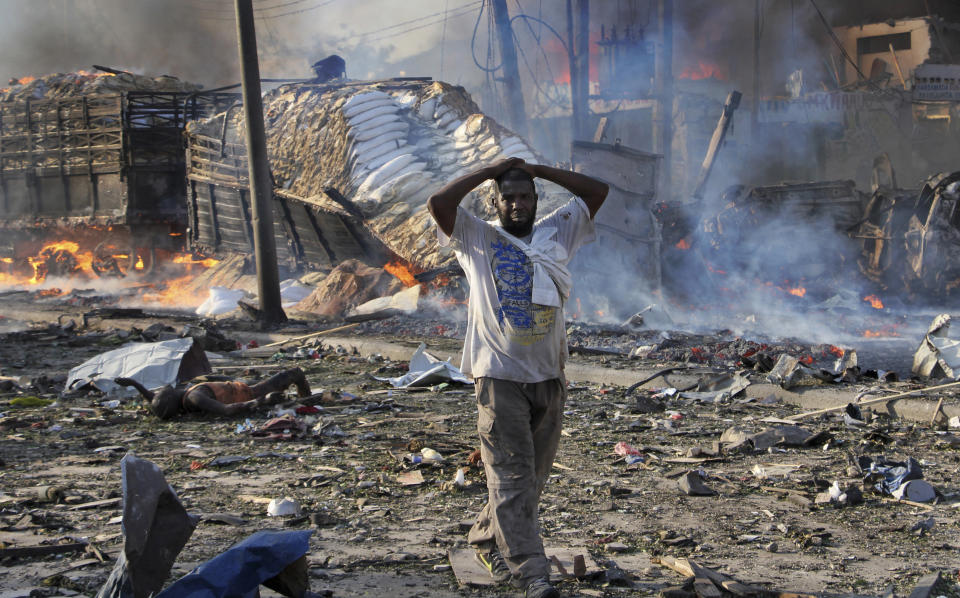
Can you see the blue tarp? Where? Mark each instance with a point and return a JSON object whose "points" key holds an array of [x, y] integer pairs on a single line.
{"points": [[239, 571]]}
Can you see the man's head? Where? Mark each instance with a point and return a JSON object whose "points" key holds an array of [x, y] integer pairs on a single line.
{"points": [[516, 202], [166, 402]]}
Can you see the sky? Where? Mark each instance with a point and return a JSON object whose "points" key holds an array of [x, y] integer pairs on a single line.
{"points": [[196, 39]]}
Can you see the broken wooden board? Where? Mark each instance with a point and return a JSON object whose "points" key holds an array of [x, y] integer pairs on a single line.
{"points": [[410, 478], [470, 572], [41, 550], [924, 587], [108, 502], [689, 568], [565, 556]]}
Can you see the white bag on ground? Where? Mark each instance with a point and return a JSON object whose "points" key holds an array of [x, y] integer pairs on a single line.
{"points": [[220, 301]]}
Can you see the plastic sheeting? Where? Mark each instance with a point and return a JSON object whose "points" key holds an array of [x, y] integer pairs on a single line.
{"points": [[239, 571], [220, 301], [427, 370], [889, 475], [293, 291], [151, 364], [156, 527]]}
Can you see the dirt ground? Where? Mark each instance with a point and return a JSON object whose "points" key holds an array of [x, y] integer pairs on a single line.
{"points": [[375, 536]]}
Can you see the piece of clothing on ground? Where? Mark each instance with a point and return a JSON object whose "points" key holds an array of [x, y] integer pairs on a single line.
{"points": [[519, 427]]}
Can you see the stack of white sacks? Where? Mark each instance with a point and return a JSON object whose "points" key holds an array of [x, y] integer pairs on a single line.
{"points": [[402, 152]]}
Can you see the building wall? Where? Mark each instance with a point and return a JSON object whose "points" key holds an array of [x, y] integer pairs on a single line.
{"points": [[921, 41]]}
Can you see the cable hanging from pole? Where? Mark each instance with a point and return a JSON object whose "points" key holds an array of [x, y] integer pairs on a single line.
{"points": [[473, 41]]}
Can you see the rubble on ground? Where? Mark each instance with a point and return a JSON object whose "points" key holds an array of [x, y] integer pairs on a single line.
{"points": [[386, 479]]}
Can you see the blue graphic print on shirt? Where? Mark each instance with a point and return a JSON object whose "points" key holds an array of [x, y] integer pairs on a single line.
{"points": [[520, 319], [514, 284]]}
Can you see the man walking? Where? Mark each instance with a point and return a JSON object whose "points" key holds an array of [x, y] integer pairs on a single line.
{"points": [[516, 346]]}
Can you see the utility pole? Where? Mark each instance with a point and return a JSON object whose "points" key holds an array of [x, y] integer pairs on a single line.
{"points": [[663, 106], [512, 92], [261, 187], [578, 52], [755, 100]]}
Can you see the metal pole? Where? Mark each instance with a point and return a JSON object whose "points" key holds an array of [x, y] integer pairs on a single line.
{"points": [[663, 108], [578, 53], [261, 187], [583, 66], [755, 100], [513, 93], [575, 107]]}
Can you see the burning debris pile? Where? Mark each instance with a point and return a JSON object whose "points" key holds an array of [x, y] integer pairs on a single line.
{"points": [[378, 148]]}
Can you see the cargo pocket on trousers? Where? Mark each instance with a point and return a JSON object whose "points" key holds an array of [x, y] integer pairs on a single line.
{"points": [[485, 420]]}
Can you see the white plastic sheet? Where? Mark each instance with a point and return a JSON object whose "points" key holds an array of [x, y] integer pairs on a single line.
{"points": [[293, 291], [427, 370], [404, 302], [221, 300], [151, 364]]}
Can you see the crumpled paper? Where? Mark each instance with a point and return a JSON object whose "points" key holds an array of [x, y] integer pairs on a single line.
{"points": [[156, 527]]}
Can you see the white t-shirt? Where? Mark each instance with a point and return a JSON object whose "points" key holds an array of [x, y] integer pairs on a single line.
{"points": [[508, 336]]}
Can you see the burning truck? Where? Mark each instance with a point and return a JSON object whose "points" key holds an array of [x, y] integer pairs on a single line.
{"points": [[92, 172]]}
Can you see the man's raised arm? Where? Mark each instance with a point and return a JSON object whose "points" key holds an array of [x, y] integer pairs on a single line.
{"points": [[589, 189], [443, 204]]}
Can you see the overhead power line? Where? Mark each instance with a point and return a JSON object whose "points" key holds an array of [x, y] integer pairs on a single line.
{"points": [[210, 14]]}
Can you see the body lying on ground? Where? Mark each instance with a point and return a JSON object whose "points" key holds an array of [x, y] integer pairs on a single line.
{"points": [[220, 398]]}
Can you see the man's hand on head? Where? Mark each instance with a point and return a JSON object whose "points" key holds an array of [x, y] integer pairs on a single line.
{"points": [[528, 168], [501, 166]]}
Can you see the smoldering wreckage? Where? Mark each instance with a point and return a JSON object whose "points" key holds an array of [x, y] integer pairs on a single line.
{"points": [[702, 463]]}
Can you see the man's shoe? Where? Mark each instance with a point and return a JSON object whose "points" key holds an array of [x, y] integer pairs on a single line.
{"points": [[493, 562], [541, 588]]}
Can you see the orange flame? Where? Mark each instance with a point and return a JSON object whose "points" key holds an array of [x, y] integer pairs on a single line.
{"points": [[703, 70], [683, 244], [798, 291], [189, 259], [874, 301], [402, 272], [74, 265], [576, 315]]}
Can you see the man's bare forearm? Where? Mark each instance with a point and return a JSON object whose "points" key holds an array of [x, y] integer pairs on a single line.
{"points": [[589, 189], [443, 204]]}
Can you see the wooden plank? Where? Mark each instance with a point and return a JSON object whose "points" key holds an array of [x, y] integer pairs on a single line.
{"points": [[467, 570], [109, 502], [567, 557], [704, 588], [924, 587], [41, 550], [601, 131]]}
